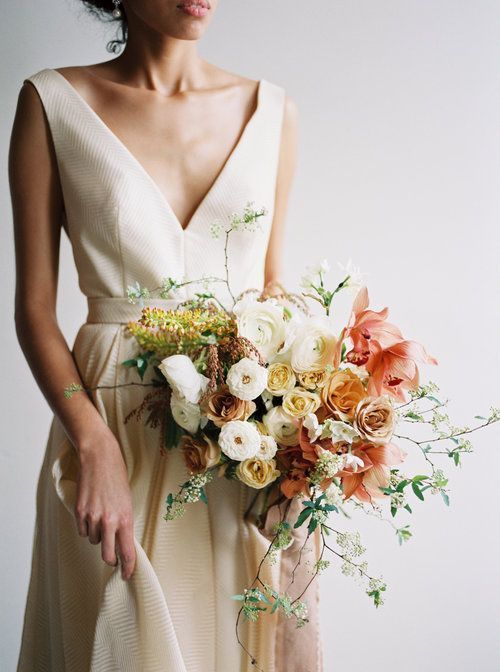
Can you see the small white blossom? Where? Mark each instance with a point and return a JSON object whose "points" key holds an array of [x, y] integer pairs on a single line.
{"points": [[247, 379], [338, 431], [313, 427], [353, 461], [239, 440], [355, 281]]}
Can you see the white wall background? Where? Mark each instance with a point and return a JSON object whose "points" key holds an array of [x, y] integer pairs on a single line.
{"points": [[399, 166]]}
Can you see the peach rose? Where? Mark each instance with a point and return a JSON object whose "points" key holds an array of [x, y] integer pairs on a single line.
{"points": [[342, 392], [221, 407], [375, 419], [200, 454], [257, 473]]}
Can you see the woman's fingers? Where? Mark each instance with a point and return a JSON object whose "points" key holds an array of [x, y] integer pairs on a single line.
{"points": [[94, 524], [81, 524], [126, 549], [108, 544]]}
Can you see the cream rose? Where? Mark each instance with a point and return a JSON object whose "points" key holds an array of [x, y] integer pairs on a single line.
{"points": [[239, 440], [298, 402], [246, 379], [186, 414], [375, 419], [257, 473], [313, 347], [183, 378], [311, 380], [281, 426], [263, 323], [280, 378]]}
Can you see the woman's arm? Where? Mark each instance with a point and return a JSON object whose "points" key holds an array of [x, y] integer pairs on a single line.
{"points": [[103, 508], [284, 178]]}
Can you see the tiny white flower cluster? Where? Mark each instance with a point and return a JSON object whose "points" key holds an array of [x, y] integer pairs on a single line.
{"points": [[334, 494], [137, 293], [350, 543], [327, 466], [321, 565], [301, 613], [196, 483], [349, 568], [216, 229]]}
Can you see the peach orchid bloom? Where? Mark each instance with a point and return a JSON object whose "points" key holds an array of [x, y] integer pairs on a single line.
{"points": [[365, 482], [364, 327], [394, 370]]}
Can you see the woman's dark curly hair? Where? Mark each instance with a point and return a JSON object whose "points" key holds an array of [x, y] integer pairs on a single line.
{"points": [[103, 10]]}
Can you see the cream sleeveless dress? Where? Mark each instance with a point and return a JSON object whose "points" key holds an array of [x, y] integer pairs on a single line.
{"points": [[175, 614]]}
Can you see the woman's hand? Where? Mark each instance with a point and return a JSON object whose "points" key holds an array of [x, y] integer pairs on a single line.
{"points": [[103, 508]]}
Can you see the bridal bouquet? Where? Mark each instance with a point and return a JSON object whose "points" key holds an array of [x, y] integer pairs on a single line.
{"points": [[269, 393]]}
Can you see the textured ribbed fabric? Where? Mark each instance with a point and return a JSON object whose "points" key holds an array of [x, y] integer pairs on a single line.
{"points": [[175, 614]]}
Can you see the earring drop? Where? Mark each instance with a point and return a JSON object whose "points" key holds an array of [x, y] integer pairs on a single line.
{"points": [[116, 13]]}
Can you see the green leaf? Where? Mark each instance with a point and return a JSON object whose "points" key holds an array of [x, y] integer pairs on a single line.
{"points": [[130, 362], [313, 524], [418, 479], [203, 496], [417, 491], [402, 485], [238, 597], [302, 517], [445, 497]]}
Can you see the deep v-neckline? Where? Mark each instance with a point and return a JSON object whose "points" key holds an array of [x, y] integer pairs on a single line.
{"points": [[153, 184]]}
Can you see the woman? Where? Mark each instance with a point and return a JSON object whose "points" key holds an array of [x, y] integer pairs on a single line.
{"points": [[135, 157]]}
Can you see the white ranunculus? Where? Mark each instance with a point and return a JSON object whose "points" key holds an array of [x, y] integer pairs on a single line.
{"points": [[281, 426], [263, 323], [339, 431], [268, 448], [183, 377], [314, 346], [247, 379], [186, 414], [239, 440]]}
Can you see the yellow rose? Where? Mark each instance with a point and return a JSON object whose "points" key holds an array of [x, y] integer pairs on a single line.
{"points": [[280, 378], [311, 380], [375, 419], [342, 392], [257, 473], [298, 402]]}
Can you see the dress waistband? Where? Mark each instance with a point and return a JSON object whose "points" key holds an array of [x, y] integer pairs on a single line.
{"points": [[119, 310]]}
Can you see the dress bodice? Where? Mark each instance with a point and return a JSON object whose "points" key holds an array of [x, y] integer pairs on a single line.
{"points": [[120, 225]]}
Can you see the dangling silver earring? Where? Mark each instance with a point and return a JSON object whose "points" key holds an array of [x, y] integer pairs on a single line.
{"points": [[116, 13]]}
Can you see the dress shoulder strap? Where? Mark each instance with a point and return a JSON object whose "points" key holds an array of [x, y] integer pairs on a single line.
{"points": [[269, 128], [54, 99]]}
